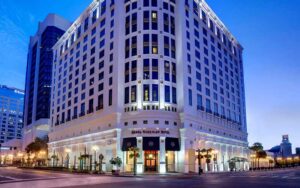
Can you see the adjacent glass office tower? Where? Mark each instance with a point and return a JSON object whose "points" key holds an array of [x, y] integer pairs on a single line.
{"points": [[165, 76], [38, 77], [11, 113]]}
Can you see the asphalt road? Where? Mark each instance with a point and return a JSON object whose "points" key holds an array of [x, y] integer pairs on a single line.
{"points": [[15, 178]]}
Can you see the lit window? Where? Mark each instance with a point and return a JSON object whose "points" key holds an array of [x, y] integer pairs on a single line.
{"points": [[154, 15]]}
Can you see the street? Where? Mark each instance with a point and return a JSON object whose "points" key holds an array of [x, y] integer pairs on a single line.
{"points": [[11, 177]]}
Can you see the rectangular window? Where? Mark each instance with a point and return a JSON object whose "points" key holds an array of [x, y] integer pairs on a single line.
{"points": [[127, 72], [173, 72], [146, 40], [199, 102], [110, 97], [126, 99], [208, 107], [154, 69], [190, 97], [134, 46], [174, 95], [166, 22], [82, 108], [146, 71], [100, 102], [134, 22], [91, 106], [167, 71], [154, 20], [133, 93], [146, 92], [166, 46], [146, 20], [154, 43], [86, 24], [167, 94], [155, 92], [133, 71]]}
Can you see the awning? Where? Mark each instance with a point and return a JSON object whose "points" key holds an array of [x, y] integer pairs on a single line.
{"points": [[172, 144], [151, 143], [128, 143]]}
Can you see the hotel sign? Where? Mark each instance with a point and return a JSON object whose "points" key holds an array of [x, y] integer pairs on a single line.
{"points": [[147, 131]]}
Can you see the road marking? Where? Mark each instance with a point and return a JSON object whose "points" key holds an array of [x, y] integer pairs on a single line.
{"points": [[8, 177], [23, 180]]}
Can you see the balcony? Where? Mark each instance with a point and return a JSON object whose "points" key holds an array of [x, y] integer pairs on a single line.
{"points": [[100, 107], [209, 111], [91, 110], [81, 114], [200, 108]]}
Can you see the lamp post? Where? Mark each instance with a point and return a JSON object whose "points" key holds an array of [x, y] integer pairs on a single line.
{"points": [[215, 159], [199, 161], [95, 149], [20, 155], [68, 151], [252, 157], [279, 161], [167, 162], [41, 155]]}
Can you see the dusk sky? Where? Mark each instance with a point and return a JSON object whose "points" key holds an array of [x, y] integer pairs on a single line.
{"points": [[269, 31]]}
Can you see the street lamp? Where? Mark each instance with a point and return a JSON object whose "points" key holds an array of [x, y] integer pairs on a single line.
{"points": [[198, 152], [166, 162], [95, 149], [68, 151], [215, 153], [252, 156]]}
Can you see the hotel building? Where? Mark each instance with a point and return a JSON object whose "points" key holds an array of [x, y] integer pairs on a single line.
{"points": [[11, 113], [38, 77], [165, 76]]}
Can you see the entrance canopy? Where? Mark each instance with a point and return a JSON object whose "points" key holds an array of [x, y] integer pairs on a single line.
{"points": [[172, 144], [128, 143], [151, 143]]}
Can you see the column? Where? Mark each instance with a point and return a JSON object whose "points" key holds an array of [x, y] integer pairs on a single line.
{"points": [[183, 154], [162, 155], [118, 146], [140, 160], [226, 158]]}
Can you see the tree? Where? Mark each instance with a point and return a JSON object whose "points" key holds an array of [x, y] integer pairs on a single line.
{"points": [[101, 157], [256, 147], [200, 157], [261, 155], [116, 162], [271, 161], [134, 154], [207, 155], [39, 144]]}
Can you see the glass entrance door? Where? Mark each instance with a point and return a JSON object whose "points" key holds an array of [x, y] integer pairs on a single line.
{"points": [[150, 161]]}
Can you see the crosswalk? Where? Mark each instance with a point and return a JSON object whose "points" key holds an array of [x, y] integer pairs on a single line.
{"points": [[9, 179], [291, 176]]}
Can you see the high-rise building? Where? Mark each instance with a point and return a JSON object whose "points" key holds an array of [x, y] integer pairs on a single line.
{"points": [[38, 77], [11, 113], [165, 76], [285, 146], [297, 151]]}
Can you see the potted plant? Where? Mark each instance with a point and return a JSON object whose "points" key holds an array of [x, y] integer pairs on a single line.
{"points": [[134, 155], [231, 165], [54, 160], [101, 157], [116, 162]]}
